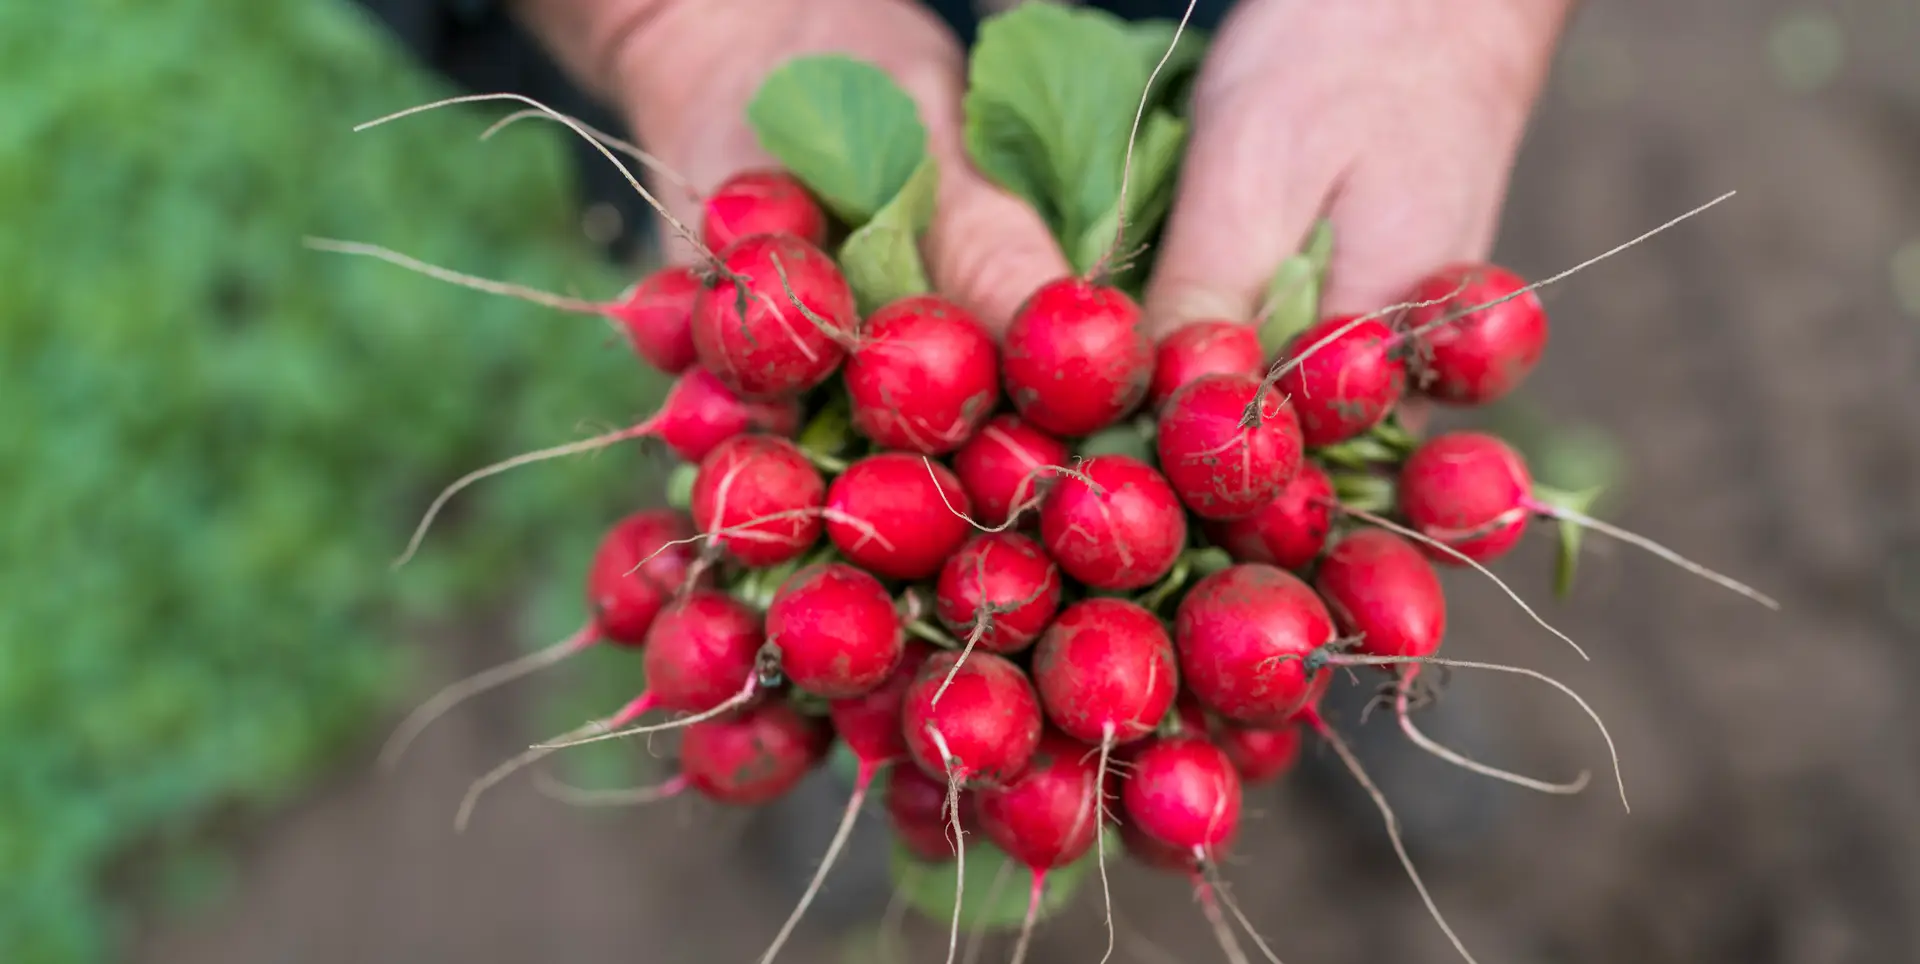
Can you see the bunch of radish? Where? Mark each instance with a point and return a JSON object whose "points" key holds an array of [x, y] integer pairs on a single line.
{"points": [[1047, 586]]}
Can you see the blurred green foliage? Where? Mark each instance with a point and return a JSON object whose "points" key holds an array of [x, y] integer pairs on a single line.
{"points": [[215, 439]]}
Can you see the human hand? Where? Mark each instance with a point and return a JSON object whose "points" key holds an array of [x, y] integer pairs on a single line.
{"points": [[683, 71]]}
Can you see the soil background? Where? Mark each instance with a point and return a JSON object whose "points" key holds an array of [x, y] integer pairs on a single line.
{"points": [[1763, 381]]}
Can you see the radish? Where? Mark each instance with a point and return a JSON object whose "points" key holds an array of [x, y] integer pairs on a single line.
{"points": [[1260, 754], [1075, 360], [759, 499], [1288, 531], [778, 320], [999, 591], [755, 756], [1481, 356], [985, 725], [916, 805], [641, 563], [1242, 635], [657, 315], [1046, 818], [896, 515], [1220, 467], [1381, 588], [1003, 468], [836, 630], [761, 202], [870, 723], [924, 376], [1184, 793], [1116, 524], [1214, 347], [696, 416], [1106, 672], [1352, 379]]}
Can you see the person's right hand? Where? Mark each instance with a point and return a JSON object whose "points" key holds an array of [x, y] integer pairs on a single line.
{"points": [[682, 72]]}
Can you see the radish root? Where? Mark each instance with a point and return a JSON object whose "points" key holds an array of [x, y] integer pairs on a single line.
{"points": [[1034, 897], [1631, 538], [597, 732], [1102, 266], [650, 161], [862, 781], [1219, 883], [617, 797], [455, 693], [1427, 743]]}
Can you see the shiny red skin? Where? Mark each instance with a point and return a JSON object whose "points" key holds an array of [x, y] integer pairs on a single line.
{"points": [[1105, 670], [1220, 468], [1346, 385], [1074, 358], [916, 804], [924, 378], [1000, 466], [1381, 586], [700, 412], [753, 477], [836, 629], [761, 202], [774, 350], [1485, 355], [657, 315], [1288, 531], [1008, 573], [1185, 793], [754, 756], [989, 718], [1048, 816], [1231, 627], [1468, 490], [1212, 347], [1124, 536], [870, 723], [701, 652], [625, 602], [1259, 753], [904, 502]]}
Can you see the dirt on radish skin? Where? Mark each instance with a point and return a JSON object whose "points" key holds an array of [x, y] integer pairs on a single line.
{"points": [[894, 515], [985, 726], [1468, 490], [754, 756], [1220, 467], [1000, 591], [1482, 356], [701, 651], [924, 376], [1119, 526], [836, 630], [1243, 634], [1183, 792], [1212, 347], [1105, 671], [916, 807], [1074, 358], [1349, 382], [761, 202], [1046, 817], [1288, 531], [759, 498], [657, 315], [1001, 467], [748, 331], [626, 600], [1381, 587]]}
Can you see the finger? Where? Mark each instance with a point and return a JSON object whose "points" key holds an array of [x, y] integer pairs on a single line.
{"points": [[1394, 221]]}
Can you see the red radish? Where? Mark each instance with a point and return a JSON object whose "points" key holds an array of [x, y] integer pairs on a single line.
{"points": [[1260, 754], [1290, 530], [1105, 671], [999, 591], [1485, 354], [896, 515], [1116, 524], [759, 498], [1381, 588], [917, 804], [761, 202], [1161, 856], [870, 723], [836, 630], [755, 756], [985, 726], [1469, 491], [1243, 635], [1046, 818], [748, 330], [657, 314], [1220, 467], [1003, 468], [698, 414], [1214, 347], [641, 563], [1075, 359], [924, 376], [1347, 380], [1185, 793]]}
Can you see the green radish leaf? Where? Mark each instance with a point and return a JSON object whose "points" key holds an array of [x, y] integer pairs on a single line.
{"points": [[1358, 452], [1123, 439], [1569, 532], [1293, 294], [1152, 38], [881, 258], [1156, 159], [844, 128], [1364, 491], [929, 888], [1053, 95], [680, 486]]}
